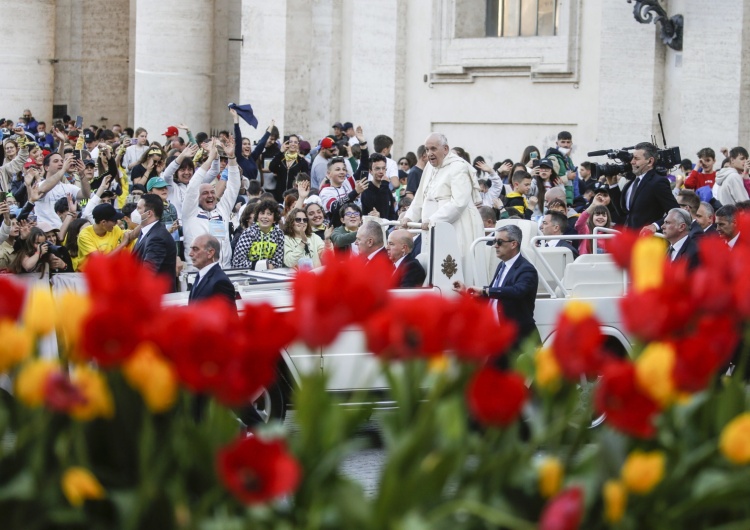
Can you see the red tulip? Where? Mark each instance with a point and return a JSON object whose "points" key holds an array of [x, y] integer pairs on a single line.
{"points": [[578, 341], [409, 327], [11, 299], [700, 355], [627, 408], [496, 398], [60, 394], [120, 279], [111, 334], [341, 294], [257, 471], [563, 512], [621, 247], [474, 332]]}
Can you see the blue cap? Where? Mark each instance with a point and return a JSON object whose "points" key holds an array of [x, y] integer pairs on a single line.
{"points": [[155, 182]]}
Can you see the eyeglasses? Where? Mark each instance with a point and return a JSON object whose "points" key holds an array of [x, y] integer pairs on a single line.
{"points": [[500, 242], [300, 220], [351, 214]]}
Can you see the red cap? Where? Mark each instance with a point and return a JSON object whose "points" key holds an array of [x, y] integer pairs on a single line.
{"points": [[171, 131], [30, 162], [326, 143]]}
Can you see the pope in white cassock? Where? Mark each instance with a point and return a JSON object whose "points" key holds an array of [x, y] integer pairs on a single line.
{"points": [[448, 192]]}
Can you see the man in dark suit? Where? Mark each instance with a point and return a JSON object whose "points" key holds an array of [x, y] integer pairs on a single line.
{"points": [[554, 224], [726, 224], [682, 246], [369, 242], [408, 270], [514, 284], [155, 245], [705, 218], [211, 280], [648, 197]]}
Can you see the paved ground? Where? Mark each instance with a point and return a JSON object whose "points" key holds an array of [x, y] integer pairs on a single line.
{"points": [[365, 465]]}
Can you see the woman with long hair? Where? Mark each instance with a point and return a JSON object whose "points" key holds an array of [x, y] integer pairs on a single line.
{"points": [[30, 258], [314, 211], [530, 154], [596, 215], [147, 166], [134, 152], [286, 165], [71, 240], [544, 179], [299, 241]]}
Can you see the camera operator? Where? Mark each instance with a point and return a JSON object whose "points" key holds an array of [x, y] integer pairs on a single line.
{"points": [[647, 198]]}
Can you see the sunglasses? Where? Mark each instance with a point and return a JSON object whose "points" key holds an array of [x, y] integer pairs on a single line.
{"points": [[500, 242], [300, 220]]}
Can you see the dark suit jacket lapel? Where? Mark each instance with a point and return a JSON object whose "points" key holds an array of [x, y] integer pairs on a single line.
{"points": [[202, 284]]}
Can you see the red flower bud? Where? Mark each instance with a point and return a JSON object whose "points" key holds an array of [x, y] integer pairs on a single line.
{"points": [[618, 395], [563, 512], [496, 398]]}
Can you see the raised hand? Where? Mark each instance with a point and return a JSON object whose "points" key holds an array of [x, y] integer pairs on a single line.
{"points": [[189, 151], [484, 166], [71, 203], [361, 185], [183, 127], [271, 126], [360, 134]]}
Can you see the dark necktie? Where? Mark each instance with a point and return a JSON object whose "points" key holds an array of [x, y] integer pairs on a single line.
{"points": [[499, 275], [633, 191], [670, 251], [195, 284]]}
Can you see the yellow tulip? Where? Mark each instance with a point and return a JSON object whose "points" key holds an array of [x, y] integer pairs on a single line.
{"points": [[647, 263], [439, 364], [642, 471], [93, 386], [654, 370], [75, 307], [15, 345], [79, 485], [547, 370], [734, 442], [577, 310], [40, 314], [551, 473], [149, 373], [31, 379], [615, 500]]}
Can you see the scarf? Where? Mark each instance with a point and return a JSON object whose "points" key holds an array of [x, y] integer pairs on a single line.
{"points": [[290, 157]]}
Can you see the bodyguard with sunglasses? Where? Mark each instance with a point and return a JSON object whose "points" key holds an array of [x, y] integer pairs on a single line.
{"points": [[514, 285]]}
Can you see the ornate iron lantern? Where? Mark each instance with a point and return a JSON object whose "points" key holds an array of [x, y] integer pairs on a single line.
{"points": [[647, 11]]}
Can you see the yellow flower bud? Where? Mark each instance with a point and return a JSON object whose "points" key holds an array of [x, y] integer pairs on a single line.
{"points": [[547, 370], [40, 314], [615, 500], [149, 373], [75, 307], [439, 364], [93, 386], [31, 379], [15, 345], [642, 471], [647, 263], [577, 310], [654, 372], [551, 473], [79, 485], [734, 442]]}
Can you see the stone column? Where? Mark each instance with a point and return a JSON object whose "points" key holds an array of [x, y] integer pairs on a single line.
{"points": [[174, 67], [263, 62], [26, 58]]}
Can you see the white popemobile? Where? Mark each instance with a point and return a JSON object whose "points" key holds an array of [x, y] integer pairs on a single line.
{"points": [[351, 370]]}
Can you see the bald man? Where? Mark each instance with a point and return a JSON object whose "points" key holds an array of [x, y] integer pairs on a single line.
{"points": [[448, 192], [408, 269]]}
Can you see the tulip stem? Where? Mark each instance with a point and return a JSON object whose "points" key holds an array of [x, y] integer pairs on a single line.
{"points": [[488, 514]]}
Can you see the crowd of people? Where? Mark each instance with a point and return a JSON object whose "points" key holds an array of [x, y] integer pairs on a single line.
{"points": [[67, 192]]}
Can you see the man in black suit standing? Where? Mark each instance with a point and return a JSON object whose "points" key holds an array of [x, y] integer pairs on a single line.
{"points": [[410, 273], [705, 218], [514, 285], [554, 224], [211, 280], [648, 197], [682, 245], [155, 246]]}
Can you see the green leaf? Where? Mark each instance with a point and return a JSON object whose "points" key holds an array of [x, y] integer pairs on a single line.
{"points": [[21, 487]]}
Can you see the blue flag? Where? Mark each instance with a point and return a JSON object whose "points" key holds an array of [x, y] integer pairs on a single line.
{"points": [[246, 113]]}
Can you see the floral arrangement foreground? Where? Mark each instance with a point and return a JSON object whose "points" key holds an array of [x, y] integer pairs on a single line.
{"points": [[134, 425]]}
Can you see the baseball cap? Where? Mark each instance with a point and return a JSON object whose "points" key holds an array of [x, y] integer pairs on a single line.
{"points": [[546, 162], [326, 143], [171, 131], [89, 162], [30, 163], [156, 182], [348, 125], [337, 125], [89, 135], [601, 187], [106, 212], [46, 227]]}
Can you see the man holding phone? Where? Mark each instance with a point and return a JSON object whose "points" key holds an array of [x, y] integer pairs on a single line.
{"points": [[53, 189]]}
